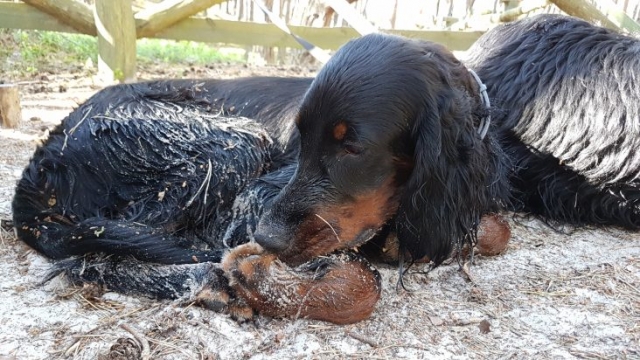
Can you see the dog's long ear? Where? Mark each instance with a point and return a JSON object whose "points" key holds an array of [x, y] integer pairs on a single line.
{"points": [[449, 188]]}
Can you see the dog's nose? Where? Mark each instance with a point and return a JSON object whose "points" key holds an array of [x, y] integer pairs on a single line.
{"points": [[272, 240]]}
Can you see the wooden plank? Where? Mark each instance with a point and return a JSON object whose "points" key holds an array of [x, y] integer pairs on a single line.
{"points": [[453, 40], [10, 112], [603, 12], [71, 12], [349, 13], [510, 4], [489, 20], [247, 33], [525, 6], [318, 53], [25, 17], [116, 40], [22, 16], [156, 17]]}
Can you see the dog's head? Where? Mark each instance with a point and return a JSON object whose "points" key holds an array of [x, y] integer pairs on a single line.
{"points": [[387, 131]]}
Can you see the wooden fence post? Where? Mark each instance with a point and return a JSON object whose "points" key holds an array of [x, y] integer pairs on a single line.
{"points": [[116, 40], [357, 21], [10, 112]]}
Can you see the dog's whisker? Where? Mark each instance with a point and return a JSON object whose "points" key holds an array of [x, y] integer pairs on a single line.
{"points": [[331, 227]]}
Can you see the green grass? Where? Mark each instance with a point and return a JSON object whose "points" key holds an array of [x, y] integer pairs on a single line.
{"points": [[32, 51], [40, 46], [179, 52]]}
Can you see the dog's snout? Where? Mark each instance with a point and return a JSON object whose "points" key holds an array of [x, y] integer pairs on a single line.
{"points": [[271, 238]]}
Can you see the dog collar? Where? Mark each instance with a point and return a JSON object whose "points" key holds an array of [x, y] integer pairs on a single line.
{"points": [[486, 121]]}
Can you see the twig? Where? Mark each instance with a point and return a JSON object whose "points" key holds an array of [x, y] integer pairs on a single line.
{"points": [[146, 353], [76, 341], [362, 338], [73, 129], [206, 189], [134, 311], [409, 346], [71, 349], [589, 354], [467, 271], [169, 345], [626, 283], [94, 306], [2, 231], [105, 117], [30, 82]]}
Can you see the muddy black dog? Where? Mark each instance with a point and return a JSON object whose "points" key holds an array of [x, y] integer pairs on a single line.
{"points": [[145, 186]]}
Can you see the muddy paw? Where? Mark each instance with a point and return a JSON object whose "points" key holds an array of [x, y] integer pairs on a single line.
{"points": [[220, 297], [341, 288]]}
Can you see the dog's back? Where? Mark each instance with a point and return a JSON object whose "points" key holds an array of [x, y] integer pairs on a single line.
{"points": [[567, 94]]}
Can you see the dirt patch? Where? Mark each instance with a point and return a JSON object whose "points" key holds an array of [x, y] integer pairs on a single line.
{"points": [[551, 295]]}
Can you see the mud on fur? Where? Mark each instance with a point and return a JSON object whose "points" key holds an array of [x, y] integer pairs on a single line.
{"points": [[144, 187]]}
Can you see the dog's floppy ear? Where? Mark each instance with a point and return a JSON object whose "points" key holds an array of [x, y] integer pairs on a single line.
{"points": [[449, 188]]}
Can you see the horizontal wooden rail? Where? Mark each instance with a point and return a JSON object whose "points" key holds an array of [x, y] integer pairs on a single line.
{"points": [[22, 16], [25, 17], [247, 33]]}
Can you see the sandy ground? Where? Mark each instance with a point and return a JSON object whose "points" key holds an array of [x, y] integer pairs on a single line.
{"points": [[550, 295]]}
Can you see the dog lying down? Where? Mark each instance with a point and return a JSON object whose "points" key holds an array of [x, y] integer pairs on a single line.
{"points": [[145, 187], [165, 188], [157, 188]]}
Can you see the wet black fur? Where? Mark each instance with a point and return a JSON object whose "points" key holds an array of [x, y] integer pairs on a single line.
{"points": [[411, 111], [563, 145], [159, 172], [130, 276], [569, 100]]}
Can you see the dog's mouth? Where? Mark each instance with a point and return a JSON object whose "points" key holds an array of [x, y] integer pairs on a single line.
{"points": [[363, 237], [324, 242]]}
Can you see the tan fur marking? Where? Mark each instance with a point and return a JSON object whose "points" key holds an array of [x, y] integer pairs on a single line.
{"points": [[370, 210], [339, 227], [339, 131]]}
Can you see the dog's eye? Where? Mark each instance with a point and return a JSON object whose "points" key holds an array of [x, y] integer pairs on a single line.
{"points": [[352, 149]]}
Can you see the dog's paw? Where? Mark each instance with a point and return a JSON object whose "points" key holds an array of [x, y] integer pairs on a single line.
{"points": [[341, 288], [218, 296]]}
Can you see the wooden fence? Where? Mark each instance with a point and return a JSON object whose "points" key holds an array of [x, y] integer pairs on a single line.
{"points": [[118, 24]]}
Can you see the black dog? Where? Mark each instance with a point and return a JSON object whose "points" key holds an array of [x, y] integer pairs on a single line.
{"points": [[145, 186], [394, 142], [136, 158], [569, 117], [391, 133]]}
